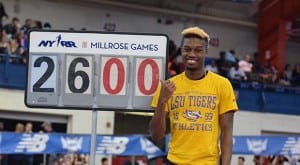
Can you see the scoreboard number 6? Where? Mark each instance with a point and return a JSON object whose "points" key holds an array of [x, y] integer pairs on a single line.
{"points": [[78, 74]]}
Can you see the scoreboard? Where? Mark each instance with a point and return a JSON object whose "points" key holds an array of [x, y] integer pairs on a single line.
{"points": [[94, 70]]}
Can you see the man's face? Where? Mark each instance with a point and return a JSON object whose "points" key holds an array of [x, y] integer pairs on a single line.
{"points": [[47, 128], [28, 127], [193, 52]]}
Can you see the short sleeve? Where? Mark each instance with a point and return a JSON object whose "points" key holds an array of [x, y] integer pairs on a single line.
{"points": [[228, 100], [155, 97]]}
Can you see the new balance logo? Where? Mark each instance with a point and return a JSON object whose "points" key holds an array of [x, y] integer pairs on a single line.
{"points": [[291, 146], [112, 145], [32, 143], [148, 146]]}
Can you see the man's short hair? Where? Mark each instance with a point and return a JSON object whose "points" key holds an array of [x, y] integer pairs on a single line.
{"points": [[242, 158], [104, 159], [196, 32], [46, 123]]}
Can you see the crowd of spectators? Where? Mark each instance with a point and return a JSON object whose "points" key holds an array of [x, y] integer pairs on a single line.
{"points": [[14, 40], [37, 159], [246, 69], [271, 160]]}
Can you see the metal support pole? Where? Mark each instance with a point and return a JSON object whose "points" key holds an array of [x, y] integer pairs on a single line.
{"points": [[93, 138]]}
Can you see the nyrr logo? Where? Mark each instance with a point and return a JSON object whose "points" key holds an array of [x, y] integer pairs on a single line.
{"points": [[57, 43], [32, 143]]}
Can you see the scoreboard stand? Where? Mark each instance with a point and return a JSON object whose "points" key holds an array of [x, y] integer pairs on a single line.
{"points": [[94, 71]]}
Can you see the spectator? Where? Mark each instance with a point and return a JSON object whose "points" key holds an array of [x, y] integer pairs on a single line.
{"points": [[245, 65], [37, 24], [230, 57], [236, 74], [19, 128], [172, 71], [18, 159], [12, 28], [104, 161], [28, 127], [212, 66], [257, 160], [3, 158], [241, 160], [79, 160], [223, 65], [296, 75], [286, 78], [1, 126], [47, 26], [28, 158], [4, 46], [3, 15], [27, 26], [47, 128], [280, 160], [269, 74], [15, 51]]}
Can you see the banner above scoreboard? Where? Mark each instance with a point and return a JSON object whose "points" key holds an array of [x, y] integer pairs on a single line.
{"points": [[99, 71], [98, 43]]}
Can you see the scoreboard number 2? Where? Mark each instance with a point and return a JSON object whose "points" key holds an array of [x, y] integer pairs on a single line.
{"points": [[44, 74]]}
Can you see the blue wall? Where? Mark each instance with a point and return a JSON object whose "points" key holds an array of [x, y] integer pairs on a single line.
{"points": [[12, 75]]}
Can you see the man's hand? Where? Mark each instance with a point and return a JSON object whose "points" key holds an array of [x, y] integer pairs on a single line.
{"points": [[166, 91]]}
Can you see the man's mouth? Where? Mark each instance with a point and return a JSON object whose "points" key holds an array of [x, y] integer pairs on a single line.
{"points": [[191, 61]]}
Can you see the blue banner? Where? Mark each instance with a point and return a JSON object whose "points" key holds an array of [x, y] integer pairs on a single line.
{"points": [[263, 145], [137, 145], [39, 143]]}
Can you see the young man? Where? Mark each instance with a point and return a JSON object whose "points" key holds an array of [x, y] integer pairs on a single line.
{"points": [[200, 105]]}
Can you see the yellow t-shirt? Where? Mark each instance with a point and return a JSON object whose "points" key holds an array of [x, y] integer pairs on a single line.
{"points": [[194, 110]]}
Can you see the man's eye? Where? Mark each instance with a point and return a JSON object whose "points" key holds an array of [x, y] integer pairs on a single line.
{"points": [[186, 49], [198, 50]]}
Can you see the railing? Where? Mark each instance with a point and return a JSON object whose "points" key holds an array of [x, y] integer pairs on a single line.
{"points": [[12, 74], [267, 98]]}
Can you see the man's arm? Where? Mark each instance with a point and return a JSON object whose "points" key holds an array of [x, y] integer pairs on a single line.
{"points": [[226, 124], [158, 122]]}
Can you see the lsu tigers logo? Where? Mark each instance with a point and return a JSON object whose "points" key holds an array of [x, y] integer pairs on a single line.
{"points": [[192, 115]]}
